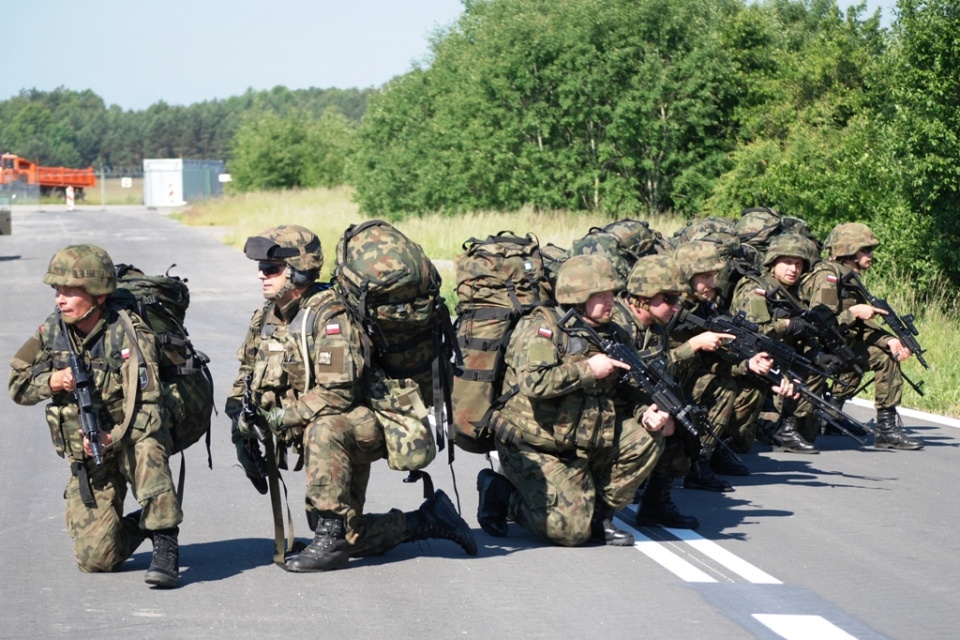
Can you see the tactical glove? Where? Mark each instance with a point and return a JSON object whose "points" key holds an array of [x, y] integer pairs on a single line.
{"points": [[250, 458], [246, 430], [830, 363], [273, 418], [800, 328]]}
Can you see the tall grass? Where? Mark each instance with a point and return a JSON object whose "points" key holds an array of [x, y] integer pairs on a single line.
{"points": [[328, 212]]}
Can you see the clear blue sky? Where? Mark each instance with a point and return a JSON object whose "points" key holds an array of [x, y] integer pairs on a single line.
{"points": [[134, 53]]}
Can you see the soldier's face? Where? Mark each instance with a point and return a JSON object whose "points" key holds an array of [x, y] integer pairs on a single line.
{"points": [[864, 258], [599, 307], [704, 285], [74, 303], [272, 278], [664, 306], [787, 270]]}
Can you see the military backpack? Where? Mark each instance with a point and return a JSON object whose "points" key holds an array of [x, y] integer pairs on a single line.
{"points": [[392, 289], [499, 279], [162, 301]]}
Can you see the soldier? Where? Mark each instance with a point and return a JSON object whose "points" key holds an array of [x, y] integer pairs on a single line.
{"points": [[117, 381], [717, 381], [787, 259], [850, 248], [573, 449], [313, 403]]}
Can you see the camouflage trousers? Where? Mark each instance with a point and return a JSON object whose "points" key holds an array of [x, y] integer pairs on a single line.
{"points": [[888, 384], [558, 491], [101, 539], [338, 452], [733, 405]]}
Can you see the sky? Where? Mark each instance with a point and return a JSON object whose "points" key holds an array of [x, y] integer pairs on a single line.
{"points": [[136, 53]]}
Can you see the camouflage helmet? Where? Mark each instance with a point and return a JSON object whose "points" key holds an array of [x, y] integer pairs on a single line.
{"points": [[295, 245], [85, 266], [791, 245], [848, 238], [580, 277], [655, 274], [698, 256]]}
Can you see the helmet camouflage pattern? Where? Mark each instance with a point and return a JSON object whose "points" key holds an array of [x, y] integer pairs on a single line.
{"points": [[655, 274], [698, 256], [791, 245], [295, 245], [85, 266], [582, 276], [848, 238]]}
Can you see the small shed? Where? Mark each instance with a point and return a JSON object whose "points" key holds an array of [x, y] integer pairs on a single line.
{"points": [[171, 182]]}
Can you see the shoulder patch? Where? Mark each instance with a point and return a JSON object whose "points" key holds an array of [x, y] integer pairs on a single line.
{"points": [[832, 279], [545, 332], [760, 292], [332, 329]]}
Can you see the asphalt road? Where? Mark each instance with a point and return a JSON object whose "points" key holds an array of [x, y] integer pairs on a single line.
{"points": [[848, 543]]}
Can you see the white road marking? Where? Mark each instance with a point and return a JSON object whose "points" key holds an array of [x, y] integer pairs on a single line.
{"points": [[802, 627], [723, 557]]}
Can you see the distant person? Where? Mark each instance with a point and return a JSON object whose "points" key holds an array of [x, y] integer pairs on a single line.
{"points": [[118, 377], [305, 363]]}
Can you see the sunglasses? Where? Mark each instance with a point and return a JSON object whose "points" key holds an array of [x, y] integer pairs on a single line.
{"points": [[670, 299], [269, 268]]}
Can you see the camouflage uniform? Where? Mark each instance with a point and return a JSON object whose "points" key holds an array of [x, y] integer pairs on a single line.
{"points": [[103, 538], [570, 444], [823, 293], [757, 296], [316, 407]]}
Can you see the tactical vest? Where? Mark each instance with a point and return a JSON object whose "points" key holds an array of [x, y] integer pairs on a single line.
{"points": [[581, 420]]}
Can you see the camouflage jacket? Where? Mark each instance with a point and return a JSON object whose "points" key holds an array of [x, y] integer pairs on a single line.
{"points": [[752, 297], [821, 291], [560, 405], [115, 367], [273, 352]]}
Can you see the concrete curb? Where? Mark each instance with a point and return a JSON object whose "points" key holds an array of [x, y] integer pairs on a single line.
{"points": [[913, 413]]}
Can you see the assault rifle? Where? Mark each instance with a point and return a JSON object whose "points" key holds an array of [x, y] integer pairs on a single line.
{"points": [[664, 390], [248, 410], [901, 326], [747, 343], [827, 332], [83, 392]]}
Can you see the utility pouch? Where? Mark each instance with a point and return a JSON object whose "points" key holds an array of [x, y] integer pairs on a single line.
{"points": [[402, 415]]}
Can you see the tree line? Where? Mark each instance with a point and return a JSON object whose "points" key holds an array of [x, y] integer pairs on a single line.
{"points": [[630, 107]]}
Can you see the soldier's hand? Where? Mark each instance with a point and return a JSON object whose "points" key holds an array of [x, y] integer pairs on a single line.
{"points": [[709, 340], [250, 458], [603, 365], [800, 328], [246, 429], [760, 363], [786, 389], [654, 420], [62, 380], [865, 311], [829, 362], [105, 441], [898, 351]]}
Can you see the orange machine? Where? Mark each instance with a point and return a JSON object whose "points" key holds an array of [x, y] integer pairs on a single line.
{"points": [[16, 171]]}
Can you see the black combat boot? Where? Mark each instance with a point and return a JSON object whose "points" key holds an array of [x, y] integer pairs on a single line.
{"points": [[164, 569], [789, 440], [701, 474], [724, 462], [890, 434], [657, 507], [495, 491], [437, 518], [604, 531], [328, 551]]}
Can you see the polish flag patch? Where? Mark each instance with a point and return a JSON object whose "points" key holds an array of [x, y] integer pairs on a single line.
{"points": [[832, 279], [545, 332], [333, 329], [760, 292], [125, 354]]}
